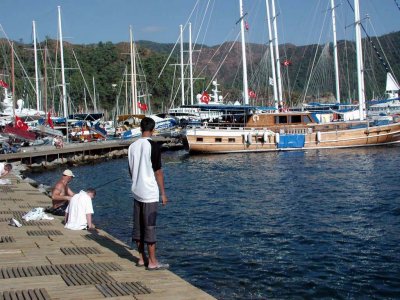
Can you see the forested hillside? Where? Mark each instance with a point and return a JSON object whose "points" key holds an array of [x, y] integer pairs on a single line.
{"points": [[107, 65]]}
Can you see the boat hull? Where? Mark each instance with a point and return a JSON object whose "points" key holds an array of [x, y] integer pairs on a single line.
{"points": [[228, 140]]}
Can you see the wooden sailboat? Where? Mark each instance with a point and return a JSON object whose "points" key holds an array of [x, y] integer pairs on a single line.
{"points": [[279, 131]]}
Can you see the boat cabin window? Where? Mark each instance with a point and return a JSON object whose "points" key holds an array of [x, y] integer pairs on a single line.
{"points": [[280, 119], [295, 119], [307, 119], [231, 140], [218, 140], [199, 139]]}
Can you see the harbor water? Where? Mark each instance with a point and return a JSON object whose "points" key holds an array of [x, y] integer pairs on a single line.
{"points": [[288, 225]]}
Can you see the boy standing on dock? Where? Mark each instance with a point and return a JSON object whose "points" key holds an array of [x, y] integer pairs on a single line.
{"points": [[144, 157]]}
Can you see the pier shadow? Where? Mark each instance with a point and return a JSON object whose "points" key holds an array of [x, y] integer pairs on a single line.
{"points": [[114, 245]]}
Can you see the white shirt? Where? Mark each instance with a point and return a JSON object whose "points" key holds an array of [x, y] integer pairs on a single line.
{"points": [[79, 206], [144, 157], [2, 165]]}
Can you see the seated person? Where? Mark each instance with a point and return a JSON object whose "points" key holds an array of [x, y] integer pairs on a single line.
{"points": [[5, 169], [78, 214], [61, 194]]}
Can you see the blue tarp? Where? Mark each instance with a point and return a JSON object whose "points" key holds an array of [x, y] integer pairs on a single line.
{"points": [[291, 141]]}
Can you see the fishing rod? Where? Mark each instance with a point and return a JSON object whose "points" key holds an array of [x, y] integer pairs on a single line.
{"points": [[106, 183]]}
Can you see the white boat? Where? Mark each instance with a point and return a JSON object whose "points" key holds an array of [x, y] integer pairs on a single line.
{"points": [[20, 110], [390, 105], [285, 131], [163, 125]]}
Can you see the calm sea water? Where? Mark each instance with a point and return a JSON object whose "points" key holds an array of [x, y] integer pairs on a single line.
{"points": [[295, 225]]}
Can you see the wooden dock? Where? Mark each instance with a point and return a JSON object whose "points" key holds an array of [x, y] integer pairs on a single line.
{"points": [[45, 154], [42, 260]]}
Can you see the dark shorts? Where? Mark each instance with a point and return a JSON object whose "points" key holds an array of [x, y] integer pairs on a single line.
{"points": [[59, 211], [144, 221]]}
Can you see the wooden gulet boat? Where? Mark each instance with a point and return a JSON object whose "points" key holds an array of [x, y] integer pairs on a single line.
{"points": [[287, 132]]}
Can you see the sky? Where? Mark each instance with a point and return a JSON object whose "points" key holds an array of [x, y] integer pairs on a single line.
{"points": [[300, 22]]}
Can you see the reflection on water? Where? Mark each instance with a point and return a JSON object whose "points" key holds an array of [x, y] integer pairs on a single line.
{"points": [[269, 225]]}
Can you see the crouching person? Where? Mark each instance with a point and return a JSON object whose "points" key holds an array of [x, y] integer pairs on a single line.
{"points": [[78, 214]]}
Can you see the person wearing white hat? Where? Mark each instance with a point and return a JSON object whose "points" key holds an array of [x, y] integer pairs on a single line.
{"points": [[62, 194]]}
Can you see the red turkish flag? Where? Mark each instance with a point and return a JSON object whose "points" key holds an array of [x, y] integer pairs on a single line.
{"points": [[3, 84], [287, 63], [49, 120], [19, 123], [142, 106], [205, 97]]}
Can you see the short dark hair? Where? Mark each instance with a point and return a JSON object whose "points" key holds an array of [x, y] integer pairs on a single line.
{"points": [[8, 166], [147, 124], [91, 190]]}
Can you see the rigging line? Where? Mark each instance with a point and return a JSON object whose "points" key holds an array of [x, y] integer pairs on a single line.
{"points": [[397, 3], [83, 77], [216, 72], [16, 55], [176, 43], [380, 45], [315, 55], [384, 64]]}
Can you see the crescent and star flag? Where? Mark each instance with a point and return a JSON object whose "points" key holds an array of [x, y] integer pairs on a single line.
{"points": [[19, 123], [205, 97], [287, 63], [142, 106], [50, 121], [252, 94], [3, 84]]}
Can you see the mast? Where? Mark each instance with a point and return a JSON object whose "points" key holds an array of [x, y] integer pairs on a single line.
{"points": [[245, 84], [45, 79], [335, 52], [182, 71], [133, 74], [360, 66], [13, 79], [278, 63], [191, 63], [271, 50], [94, 96], [36, 67], [64, 88]]}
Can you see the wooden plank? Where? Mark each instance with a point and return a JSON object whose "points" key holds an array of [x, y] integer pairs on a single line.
{"points": [[98, 263]]}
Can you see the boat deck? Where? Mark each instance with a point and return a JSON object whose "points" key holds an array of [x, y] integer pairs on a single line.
{"points": [[42, 260]]}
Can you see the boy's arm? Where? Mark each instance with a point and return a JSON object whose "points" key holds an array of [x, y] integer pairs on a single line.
{"points": [[89, 221], [159, 174]]}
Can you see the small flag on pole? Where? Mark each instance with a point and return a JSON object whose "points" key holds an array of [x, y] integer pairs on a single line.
{"points": [[19, 123], [3, 84], [252, 94], [271, 81], [50, 121], [142, 106], [205, 97]]}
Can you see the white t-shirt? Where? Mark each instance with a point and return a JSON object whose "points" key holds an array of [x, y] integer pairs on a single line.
{"points": [[79, 206], [144, 157], [2, 165]]}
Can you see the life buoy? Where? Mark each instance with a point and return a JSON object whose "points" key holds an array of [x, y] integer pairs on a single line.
{"points": [[256, 118]]}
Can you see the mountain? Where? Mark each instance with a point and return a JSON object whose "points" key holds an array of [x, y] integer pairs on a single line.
{"points": [[105, 64]]}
